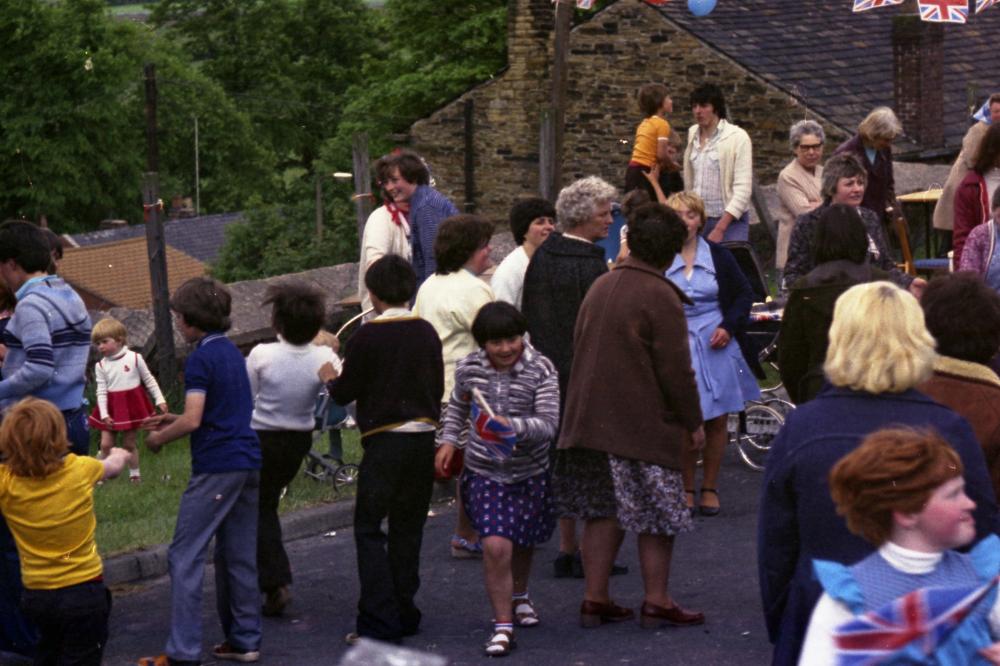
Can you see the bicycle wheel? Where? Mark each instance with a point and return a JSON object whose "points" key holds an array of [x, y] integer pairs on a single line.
{"points": [[759, 426], [345, 475]]}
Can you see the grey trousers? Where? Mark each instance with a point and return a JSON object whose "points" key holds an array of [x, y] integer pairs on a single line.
{"points": [[222, 505]]}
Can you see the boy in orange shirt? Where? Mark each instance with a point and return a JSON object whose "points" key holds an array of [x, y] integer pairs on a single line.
{"points": [[651, 149]]}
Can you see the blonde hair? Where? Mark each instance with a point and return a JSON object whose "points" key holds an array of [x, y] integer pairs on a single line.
{"points": [[689, 200], [33, 438], [878, 341], [881, 123], [109, 327]]}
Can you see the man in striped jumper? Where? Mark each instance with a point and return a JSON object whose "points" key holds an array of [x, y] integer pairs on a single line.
{"points": [[48, 338]]}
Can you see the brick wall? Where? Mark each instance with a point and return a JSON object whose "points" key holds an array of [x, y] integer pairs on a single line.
{"points": [[611, 55]]}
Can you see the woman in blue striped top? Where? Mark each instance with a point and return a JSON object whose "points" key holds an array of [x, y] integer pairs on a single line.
{"points": [[509, 395]]}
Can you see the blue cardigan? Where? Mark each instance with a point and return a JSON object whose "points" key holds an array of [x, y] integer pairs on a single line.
{"points": [[428, 208], [798, 522]]}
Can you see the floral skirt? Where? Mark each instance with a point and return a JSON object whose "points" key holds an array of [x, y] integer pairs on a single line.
{"points": [[643, 497], [521, 512]]}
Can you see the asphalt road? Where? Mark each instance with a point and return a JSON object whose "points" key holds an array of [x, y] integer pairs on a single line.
{"points": [[714, 571]]}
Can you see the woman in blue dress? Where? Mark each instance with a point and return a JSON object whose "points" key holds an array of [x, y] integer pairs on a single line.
{"points": [[709, 275]]}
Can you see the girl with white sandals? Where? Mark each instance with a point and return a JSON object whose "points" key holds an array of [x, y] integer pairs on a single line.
{"points": [[508, 393]]}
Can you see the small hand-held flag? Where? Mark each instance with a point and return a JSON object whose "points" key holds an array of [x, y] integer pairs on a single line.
{"points": [[865, 5], [917, 622], [985, 4], [499, 439]]}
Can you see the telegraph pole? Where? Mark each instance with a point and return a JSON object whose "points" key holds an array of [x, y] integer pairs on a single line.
{"points": [[554, 118], [155, 243]]}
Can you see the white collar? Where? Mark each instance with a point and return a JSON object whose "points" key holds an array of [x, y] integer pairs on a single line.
{"points": [[395, 313], [575, 237], [907, 560]]}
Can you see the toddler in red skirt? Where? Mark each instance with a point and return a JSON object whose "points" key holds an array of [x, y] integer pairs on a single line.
{"points": [[123, 380]]}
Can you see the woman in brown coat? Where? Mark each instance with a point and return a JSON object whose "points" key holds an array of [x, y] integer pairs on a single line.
{"points": [[632, 407], [963, 315]]}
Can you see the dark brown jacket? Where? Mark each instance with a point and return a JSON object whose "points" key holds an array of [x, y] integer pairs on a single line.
{"points": [[632, 391], [972, 390]]}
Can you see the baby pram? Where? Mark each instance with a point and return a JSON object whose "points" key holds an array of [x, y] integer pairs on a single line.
{"points": [[331, 419], [753, 429]]}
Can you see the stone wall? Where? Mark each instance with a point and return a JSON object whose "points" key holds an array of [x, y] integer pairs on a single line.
{"points": [[611, 55]]}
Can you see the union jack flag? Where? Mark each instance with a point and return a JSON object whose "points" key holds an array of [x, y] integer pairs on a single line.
{"points": [[865, 5], [913, 625], [944, 11], [498, 438], [985, 4]]}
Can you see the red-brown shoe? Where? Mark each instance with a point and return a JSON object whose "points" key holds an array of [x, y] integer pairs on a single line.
{"points": [[594, 614], [654, 617]]}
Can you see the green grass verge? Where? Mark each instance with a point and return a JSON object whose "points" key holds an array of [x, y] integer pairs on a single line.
{"points": [[131, 517]]}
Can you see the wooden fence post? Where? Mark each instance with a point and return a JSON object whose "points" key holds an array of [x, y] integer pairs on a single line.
{"points": [[468, 110], [362, 180]]}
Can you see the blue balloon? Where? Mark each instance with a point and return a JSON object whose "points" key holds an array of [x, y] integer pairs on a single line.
{"points": [[701, 7]]}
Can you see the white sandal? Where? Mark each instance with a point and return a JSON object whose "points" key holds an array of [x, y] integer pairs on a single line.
{"points": [[500, 644], [525, 614]]}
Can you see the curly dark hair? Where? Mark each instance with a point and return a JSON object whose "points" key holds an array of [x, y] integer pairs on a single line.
{"points": [[298, 310], [962, 313], [411, 167], [656, 234], [840, 234], [709, 93], [526, 211], [458, 238]]}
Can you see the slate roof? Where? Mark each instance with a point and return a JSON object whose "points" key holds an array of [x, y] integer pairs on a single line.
{"points": [[119, 272], [839, 63], [200, 237]]}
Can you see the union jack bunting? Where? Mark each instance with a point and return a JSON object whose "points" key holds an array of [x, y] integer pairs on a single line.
{"points": [[985, 4], [498, 438], [913, 625], [584, 4], [865, 5], [944, 11]]}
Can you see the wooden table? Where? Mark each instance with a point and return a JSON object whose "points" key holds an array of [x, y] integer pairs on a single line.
{"points": [[928, 200]]}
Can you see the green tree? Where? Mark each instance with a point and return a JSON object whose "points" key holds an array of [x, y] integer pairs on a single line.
{"points": [[71, 109], [289, 63]]}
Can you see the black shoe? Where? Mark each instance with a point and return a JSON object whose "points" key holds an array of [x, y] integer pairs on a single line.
{"points": [[563, 566], [618, 569]]}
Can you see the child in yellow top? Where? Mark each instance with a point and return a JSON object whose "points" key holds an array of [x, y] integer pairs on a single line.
{"points": [[651, 147], [47, 498]]}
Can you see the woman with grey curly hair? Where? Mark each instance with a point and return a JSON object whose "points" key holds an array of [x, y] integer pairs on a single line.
{"points": [[558, 277], [799, 182]]}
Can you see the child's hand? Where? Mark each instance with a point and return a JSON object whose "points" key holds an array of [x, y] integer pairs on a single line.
{"points": [[653, 175], [108, 421], [154, 422], [153, 443], [442, 459], [327, 373], [991, 653], [162, 407]]}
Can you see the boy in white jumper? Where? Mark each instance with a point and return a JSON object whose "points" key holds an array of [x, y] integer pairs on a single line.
{"points": [[284, 383]]}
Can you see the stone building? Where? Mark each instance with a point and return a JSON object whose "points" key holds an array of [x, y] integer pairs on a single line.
{"points": [[777, 61]]}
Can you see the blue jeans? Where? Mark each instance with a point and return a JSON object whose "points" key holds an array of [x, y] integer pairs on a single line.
{"points": [[77, 430], [738, 229], [223, 505]]}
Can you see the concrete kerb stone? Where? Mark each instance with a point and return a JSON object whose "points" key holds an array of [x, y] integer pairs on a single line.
{"points": [[152, 563]]}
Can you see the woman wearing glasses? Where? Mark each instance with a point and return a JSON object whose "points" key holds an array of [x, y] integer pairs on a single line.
{"points": [[799, 183]]}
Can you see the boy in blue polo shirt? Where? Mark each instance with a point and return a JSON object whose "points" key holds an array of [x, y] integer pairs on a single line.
{"points": [[221, 499]]}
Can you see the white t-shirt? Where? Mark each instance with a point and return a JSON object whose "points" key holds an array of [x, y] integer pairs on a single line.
{"points": [[508, 279], [285, 385]]}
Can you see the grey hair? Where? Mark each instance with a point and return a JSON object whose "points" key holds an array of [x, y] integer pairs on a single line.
{"points": [[578, 201], [881, 123], [840, 166], [803, 127]]}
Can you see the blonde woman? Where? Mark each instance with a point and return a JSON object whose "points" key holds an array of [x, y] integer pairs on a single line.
{"points": [[879, 350], [872, 145]]}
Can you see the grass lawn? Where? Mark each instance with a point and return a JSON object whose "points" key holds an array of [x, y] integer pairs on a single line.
{"points": [[131, 517]]}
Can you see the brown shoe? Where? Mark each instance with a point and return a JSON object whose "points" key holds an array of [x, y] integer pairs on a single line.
{"points": [[594, 614], [654, 617]]}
